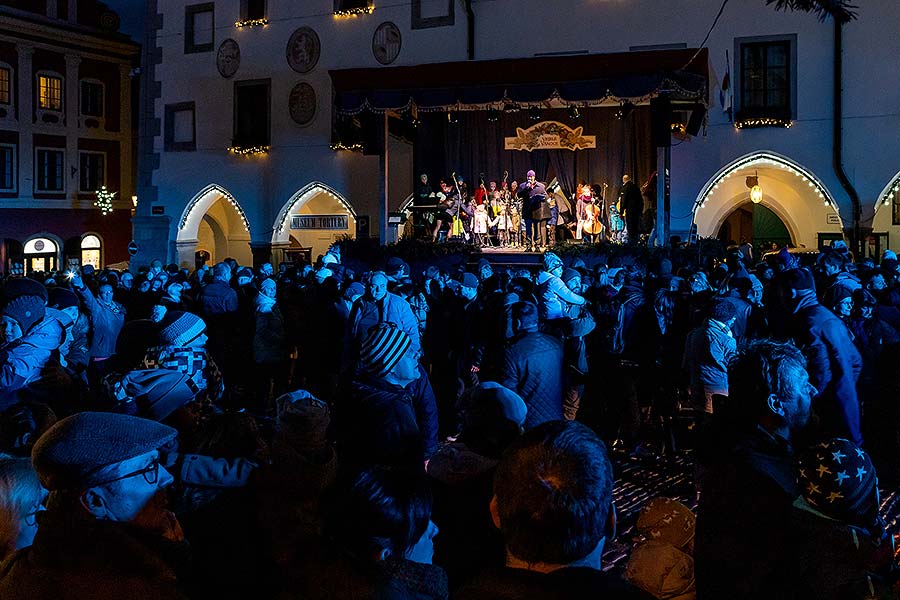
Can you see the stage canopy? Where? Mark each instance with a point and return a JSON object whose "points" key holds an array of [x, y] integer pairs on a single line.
{"points": [[582, 80]]}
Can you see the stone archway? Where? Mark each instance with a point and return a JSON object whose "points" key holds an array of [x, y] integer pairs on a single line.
{"points": [[796, 196], [315, 216], [218, 218], [884, 219]]}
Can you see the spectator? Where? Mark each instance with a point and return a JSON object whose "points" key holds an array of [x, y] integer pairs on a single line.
{"points": [[106, 532], [746, 481], [552, 293], [380, 306], [708, 350], [553, 504], [106, 317], [21, 499], [532, 366]]}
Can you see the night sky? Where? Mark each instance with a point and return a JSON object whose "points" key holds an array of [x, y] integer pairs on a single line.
{"points": [[132, 14]]}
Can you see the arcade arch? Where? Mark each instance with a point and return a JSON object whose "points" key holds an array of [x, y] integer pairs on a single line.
{"points": [[791, 193], [886, 220], [310, 221], [213, 221]]}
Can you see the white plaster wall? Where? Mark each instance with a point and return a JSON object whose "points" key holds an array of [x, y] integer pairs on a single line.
{"points": [[522, 28]]}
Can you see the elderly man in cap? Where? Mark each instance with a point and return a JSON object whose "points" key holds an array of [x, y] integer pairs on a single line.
{"points": [[106, 532]]}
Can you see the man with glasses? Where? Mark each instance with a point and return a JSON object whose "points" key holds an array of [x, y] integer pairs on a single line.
{"points": [[106, 532]]}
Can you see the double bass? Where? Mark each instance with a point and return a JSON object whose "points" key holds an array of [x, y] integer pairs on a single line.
{"points": [[593, 224]]}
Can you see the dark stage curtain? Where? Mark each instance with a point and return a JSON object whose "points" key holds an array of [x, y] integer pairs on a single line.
{"points": [[475, 145]]}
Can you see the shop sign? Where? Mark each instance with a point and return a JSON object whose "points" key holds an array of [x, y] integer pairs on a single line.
{"points": [[550, 135], [329, 222]]}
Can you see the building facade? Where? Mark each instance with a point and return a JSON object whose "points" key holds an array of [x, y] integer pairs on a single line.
{"points": [[65, 132], [239, 155]]}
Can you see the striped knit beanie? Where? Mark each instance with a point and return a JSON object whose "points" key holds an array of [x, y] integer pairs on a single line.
{"points": [[179, 328], [382, 349]]}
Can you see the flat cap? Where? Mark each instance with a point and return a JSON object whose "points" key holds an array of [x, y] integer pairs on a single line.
{"points": [[70, 454]]}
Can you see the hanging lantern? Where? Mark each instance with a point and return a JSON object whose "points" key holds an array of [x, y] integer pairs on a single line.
{"points": [[756, 193]]}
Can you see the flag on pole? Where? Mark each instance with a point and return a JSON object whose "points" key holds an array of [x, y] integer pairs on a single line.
{"points": [[725, 94]]}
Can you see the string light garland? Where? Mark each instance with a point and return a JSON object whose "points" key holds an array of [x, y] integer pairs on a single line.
{"points": [[305, 194], [338, 146], [354, 12], [889, 196], [104, 200], [763, 122], [251, 23], [248, 150], [225, 195]]}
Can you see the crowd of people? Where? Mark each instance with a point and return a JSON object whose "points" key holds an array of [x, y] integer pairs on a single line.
{"points": [[322, 432]]}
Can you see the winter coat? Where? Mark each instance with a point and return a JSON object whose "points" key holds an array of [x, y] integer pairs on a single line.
{"points": [[106, 322], [837, 561], [568, 583], [390, 309], [707, 352], [269, 340], [532, 367], [834, 364], [80, 557], [425, 406], [747, 485], [552, 296], [22, 360], [376, 425], [195, 362], [217, 298]]}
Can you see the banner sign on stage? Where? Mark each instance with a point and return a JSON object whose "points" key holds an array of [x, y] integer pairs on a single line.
{"points": [[319, 222], [550, 135]]}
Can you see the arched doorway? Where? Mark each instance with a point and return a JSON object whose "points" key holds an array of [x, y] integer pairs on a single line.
{"points": [[41, 255], [314, 218], [794, 204], [886, 220], [214, 222]]}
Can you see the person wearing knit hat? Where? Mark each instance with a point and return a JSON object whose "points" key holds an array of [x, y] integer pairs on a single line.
{"points": [[182, 330], [22, 286], [569, 274], [382, 350], [20, 315], [484, 270], [552, 294], [106, 519]]}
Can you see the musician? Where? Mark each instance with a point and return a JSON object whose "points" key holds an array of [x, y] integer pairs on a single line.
{"points": [[514, 209], [536, 211], [631, 206], [424, 194], [442, 219], [583, 200]]}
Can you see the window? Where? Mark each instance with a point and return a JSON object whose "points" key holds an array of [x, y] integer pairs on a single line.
{"points": [[92, 98], [351, 5], [768, 81], [92, 171], [49, 92], [5, 89], [253, 9], [7, 167], [181, 127], [251, 113], [49, 176], [90, 250], [199, 28]]}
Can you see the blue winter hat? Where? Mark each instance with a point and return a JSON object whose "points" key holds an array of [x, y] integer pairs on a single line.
{"points": [[551, 261]]}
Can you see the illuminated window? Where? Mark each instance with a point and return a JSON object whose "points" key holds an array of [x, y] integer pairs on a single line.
{"points": [[5, 93], [49, 92], [90, 251]]}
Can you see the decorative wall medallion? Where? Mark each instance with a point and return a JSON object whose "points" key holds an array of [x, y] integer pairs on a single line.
{"points": [[386, 43], [39, 245], [303, 50], [228, 58], [302, 103]]}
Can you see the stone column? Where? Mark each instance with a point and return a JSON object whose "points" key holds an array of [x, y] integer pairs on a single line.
{"points": [[262, 253], [185, 250], [25, 115]]}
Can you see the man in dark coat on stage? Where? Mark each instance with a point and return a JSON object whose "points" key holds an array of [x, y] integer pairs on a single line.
{"points": [[632, 204]]}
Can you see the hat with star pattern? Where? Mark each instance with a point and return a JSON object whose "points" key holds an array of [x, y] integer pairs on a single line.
{"points": [[838, 479]]}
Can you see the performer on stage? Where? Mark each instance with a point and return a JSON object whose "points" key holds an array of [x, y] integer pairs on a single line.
{"points": [[631, 205], [442, 219], [514, 207], [583, 192], [501, 221], [424, 194], [536, 210]]}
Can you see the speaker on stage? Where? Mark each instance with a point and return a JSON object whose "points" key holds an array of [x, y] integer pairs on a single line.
{"points": [[661, 121]]}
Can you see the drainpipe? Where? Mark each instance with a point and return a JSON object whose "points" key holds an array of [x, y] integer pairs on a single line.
{"points": [[470, 28], [838, 131]]}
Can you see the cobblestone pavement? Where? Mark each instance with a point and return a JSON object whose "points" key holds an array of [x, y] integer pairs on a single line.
{"points": [[640, 480]]}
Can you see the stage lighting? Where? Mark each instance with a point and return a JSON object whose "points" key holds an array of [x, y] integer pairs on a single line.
{"points": [[624, 110], [452, 117], [534, 113], [493, 114], [574, 113]]}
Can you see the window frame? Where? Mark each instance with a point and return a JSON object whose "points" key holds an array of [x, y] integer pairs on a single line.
{"points": [[81, 171], [14, 169], [62, 90], [37, 170], [191, 11], [81, 86], [169, 143], [245, 10], [9, 84], [236, 109], [787, 112]]}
